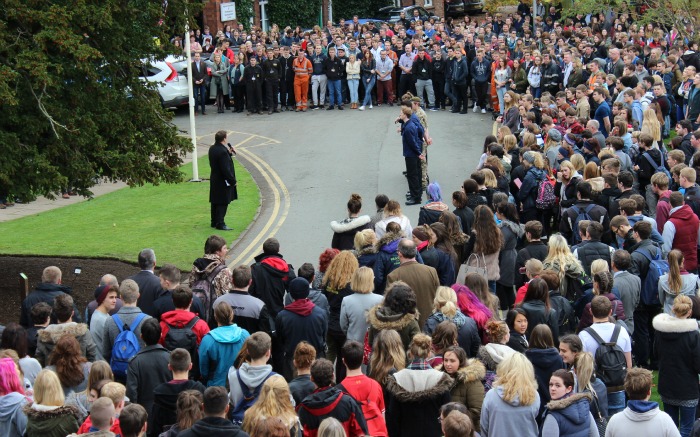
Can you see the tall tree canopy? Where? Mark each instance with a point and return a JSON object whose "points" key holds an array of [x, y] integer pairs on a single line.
{"points": [[73, 107]]}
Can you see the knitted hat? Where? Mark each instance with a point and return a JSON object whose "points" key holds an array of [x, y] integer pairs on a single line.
{"points": [[563, 152], [101, 293], [299, 288], [529, 157], [554, 134]]}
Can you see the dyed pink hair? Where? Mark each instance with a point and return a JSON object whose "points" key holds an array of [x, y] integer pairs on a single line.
{"points": [[9, 380], [471, 306]]}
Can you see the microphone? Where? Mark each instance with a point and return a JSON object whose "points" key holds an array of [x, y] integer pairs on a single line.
{"points": [[230, 147]]}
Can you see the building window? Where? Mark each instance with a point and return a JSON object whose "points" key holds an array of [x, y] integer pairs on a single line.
{"points": [[397, 3], [264, 19], [428, 3]]}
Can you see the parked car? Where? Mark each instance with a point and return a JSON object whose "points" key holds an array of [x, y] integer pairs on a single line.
{"points": [[392, 14], [462, 7], [170, 75]]}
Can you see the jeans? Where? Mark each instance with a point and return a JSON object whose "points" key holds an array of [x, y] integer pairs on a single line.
{"points": [[492, 287], [536, 92], [368, 90], [616, 402], [448, 90], [426, 85], [200, 95], [501, 92], [353, 85], [334, 95], [686, 415], [318, 83]]}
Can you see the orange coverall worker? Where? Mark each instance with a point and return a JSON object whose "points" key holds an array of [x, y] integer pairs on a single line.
{"points": [[302, 75]]}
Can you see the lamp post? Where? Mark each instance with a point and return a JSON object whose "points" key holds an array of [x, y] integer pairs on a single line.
{"points": [[190, 91]]}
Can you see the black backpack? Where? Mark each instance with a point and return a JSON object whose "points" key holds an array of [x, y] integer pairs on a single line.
{"points": [[182, 336], [203, 288], [580, 215], [610, 361]]}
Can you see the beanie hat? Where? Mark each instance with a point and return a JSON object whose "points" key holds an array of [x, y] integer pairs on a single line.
{"points": [[563, 152], [554, 134], [101, 293], [299, 288], [529, 157]]}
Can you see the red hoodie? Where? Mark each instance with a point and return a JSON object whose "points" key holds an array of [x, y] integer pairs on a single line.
{"points": [[303, 307], [181, 318], [85, 427]]}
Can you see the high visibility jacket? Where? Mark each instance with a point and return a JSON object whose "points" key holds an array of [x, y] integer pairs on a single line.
{"points": [[302, 68]]}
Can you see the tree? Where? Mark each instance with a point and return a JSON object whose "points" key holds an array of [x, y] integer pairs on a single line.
{"points": [[362, 8], [664, 14], [304, 13], [73, 107]]}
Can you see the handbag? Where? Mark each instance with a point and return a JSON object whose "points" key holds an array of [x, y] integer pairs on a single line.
{"points": [[467, 268], [600, 421]]}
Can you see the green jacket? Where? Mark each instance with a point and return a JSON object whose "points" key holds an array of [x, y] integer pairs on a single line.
{"points": [[58, 422]]}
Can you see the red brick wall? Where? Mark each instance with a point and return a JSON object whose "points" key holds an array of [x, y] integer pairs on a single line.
{"points": [[212, 16]]}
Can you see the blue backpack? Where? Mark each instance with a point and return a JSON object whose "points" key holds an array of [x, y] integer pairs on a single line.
{"points": [[125, 346], [580, 215], [650, 287], [248, 399]]}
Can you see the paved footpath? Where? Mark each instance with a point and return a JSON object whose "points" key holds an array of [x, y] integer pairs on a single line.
{"points": [[307, 165]]}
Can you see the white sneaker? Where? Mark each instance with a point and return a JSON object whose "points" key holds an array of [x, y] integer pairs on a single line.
{"points": [[483, 111], [361, 108], [370, 106], [476, 108]]}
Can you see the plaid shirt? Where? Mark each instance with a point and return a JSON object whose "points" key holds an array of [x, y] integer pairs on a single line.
{"points": [[419, 364]]}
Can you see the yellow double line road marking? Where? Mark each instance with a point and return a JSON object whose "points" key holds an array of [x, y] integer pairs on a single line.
{"points": [[281, 201]]}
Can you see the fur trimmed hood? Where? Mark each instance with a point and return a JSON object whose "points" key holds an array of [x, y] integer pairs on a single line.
{"points": [[40, 412], [52, 333], [387, 239], [349, 223], [472, 372], [569, 400], [417, 385], [381, 317], [667, 323], [367, 250]]}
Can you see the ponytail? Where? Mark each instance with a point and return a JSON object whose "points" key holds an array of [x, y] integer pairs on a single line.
{"points": [[675, 261]]}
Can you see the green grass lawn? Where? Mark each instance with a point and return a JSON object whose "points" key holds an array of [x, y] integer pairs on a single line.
{"points": [[172, 219]]}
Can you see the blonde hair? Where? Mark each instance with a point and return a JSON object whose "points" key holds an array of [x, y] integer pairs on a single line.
{"points": [[539, 160], [48, 390], [115, 391], [363, 281], [675, 263], [570, 166], [578, 161], [387, 353], [509, 142], [366, 237], [331, 427], [516, 376], [274, 401], [489, 178], [421, 346], [445, 301], [340, 271], [682, 306], [651, 125], [591, 171], [504, 131], [584, 366], [599, 265]]}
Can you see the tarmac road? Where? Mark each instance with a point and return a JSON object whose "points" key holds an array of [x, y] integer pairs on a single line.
{"points": [[308, 164]]}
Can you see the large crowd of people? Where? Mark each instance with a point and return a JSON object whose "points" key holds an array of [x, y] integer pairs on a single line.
{"points": [[565, 272]]}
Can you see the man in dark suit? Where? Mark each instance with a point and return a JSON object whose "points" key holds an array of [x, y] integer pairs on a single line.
{"points": [[199, 83], [149, 284], [222, 181]]}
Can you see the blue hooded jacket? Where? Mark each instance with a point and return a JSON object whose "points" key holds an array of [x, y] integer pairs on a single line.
{"points": [[217, 352], [13, 422]]}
